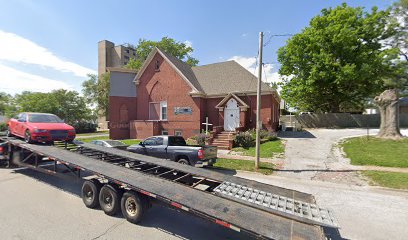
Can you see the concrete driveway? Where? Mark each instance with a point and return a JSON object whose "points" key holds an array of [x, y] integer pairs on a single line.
{"points": [[363, 212]]}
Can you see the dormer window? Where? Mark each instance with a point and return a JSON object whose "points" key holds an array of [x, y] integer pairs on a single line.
{"points": [[157, 66]]}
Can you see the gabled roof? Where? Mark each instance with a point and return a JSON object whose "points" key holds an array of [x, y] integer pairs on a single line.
{"points": [[218, 79], [224, 101], [179, 66], [227, 77]]}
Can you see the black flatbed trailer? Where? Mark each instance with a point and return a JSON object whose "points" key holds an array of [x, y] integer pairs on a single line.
{"points": [[263, 211]]}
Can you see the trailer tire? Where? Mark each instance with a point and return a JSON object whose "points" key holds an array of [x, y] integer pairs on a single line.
{"points": [[133, 206], [90, 193], [109, 199]]}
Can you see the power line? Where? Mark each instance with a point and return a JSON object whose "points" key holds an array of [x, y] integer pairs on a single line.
{"points": [[276, 35]]}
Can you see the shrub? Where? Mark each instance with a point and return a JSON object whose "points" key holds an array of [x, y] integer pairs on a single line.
{"points": [[263, 133], [244, 139], [85, 127], [201, 138], [3, 127], [272, 136], [191, 141]]}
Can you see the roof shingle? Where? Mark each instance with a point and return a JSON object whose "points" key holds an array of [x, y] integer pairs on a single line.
{"points": [[214, 79]]}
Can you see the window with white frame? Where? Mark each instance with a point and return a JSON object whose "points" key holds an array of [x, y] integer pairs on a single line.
{"points": [[165, 132], [163, 110], [178, 133]]}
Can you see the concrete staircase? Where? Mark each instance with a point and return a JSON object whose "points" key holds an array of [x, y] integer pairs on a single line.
{"points": [[222, 140]]}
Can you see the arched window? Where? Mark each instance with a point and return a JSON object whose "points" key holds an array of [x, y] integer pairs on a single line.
{"points": [[123, 114]]}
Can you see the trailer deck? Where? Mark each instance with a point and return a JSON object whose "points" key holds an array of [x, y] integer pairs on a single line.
{"points": [[261, 210]]}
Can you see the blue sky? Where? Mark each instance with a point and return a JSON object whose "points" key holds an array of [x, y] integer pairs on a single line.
{"points": [[46, 45]]}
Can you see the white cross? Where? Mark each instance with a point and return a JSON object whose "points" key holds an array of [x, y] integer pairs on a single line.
{"points": [[206, 124]]}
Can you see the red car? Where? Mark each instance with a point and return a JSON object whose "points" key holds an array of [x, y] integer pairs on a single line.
{"points": [[40, 127]]}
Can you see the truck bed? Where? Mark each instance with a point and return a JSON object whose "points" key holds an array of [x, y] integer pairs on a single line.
{"points": [[240, 215]]}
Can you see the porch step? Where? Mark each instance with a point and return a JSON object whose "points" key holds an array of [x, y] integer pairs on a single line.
{"points": [[227, 133], [221, 140], [223, 147]]}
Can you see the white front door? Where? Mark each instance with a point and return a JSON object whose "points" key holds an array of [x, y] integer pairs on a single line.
{"points": [[231, 115]]}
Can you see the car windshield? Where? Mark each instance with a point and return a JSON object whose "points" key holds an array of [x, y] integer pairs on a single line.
{"points": [[44, 118], [115, 143]]}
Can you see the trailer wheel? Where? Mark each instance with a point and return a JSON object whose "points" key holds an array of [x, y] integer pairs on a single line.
{"points": [[133, 206], [109, 199], [90, 193]]}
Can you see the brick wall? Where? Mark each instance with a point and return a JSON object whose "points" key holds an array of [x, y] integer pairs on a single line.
{"points": [[167, 85], [269, 112], [121, 111]]}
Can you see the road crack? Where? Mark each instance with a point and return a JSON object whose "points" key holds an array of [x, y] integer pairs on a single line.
{"points": [[109, 230]]}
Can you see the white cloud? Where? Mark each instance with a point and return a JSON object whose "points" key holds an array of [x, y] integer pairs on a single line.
{"points": [[188, 43], [244, 35], [269, 74], [14, 48], [15, 81]]}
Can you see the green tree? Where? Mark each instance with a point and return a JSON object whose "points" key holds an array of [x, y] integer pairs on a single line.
{"points": [[396, 82], [68, 105], [7, 106], [337, 62], [178, 49], [397, 48], [96, 92]]}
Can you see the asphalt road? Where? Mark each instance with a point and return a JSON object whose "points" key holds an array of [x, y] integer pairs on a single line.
{"points": [[38, 206]]}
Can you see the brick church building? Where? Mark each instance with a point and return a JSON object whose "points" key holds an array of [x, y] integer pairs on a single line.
{"points": [[167, 96]]}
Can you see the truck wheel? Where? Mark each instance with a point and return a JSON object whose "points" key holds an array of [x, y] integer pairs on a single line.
{"points": [[133, 206], [183, 161], [90, 193], [27, 137], [109, 199]]}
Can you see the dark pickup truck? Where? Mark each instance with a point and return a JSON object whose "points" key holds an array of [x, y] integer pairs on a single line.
{"points": [[175, 148]]}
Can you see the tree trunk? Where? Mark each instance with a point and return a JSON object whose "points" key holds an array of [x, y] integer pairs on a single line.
{"points": [[389, 109]]}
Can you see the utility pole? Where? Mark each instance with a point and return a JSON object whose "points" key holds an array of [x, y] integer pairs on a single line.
{"points": [[258, 103]]}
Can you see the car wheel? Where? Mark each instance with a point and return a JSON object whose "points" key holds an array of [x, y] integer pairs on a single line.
{"points": [[183, 161], [8, 132], [27, 137]]}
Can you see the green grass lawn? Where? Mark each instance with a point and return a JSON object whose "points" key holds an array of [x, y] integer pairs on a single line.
{"points": [[126, 141], [388, 179], [234, 164], [92, 134], [377, 152], [267, 150]]}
